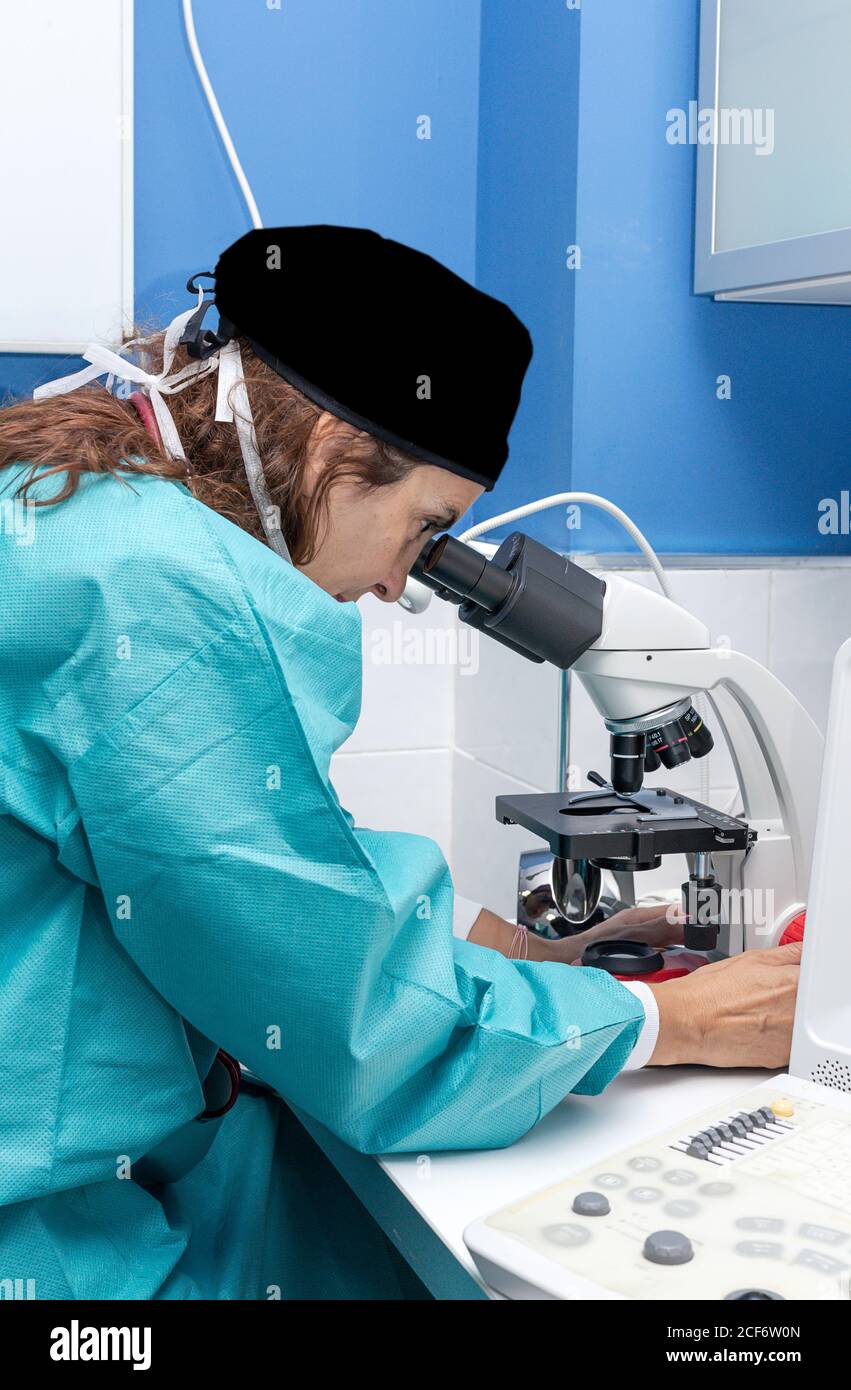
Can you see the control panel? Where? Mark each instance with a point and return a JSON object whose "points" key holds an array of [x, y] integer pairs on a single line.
{"points": [[749, 1200]]}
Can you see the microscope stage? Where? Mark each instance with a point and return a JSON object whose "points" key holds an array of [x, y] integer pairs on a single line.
{"points": [[639, 827]]}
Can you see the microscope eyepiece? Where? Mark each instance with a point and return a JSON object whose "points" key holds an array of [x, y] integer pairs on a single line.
{"points": [[462, 574], [529, 598]]}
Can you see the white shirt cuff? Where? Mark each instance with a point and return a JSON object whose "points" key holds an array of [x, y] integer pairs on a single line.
{"points": [[646, 1040], [464, 914]]}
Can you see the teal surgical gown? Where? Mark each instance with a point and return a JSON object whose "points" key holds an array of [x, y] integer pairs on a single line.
{"points": [[177, 875]]}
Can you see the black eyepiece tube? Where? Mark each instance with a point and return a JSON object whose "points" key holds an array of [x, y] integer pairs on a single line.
{"points": [[450, 564], [527, 597]]}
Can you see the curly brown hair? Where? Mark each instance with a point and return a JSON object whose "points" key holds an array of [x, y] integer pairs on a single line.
{"points": [[92, 431]]}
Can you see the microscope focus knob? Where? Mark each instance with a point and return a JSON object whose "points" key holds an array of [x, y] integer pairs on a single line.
{"points": [[702, 909]]}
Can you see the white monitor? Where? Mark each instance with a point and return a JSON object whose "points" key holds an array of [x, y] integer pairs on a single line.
{"points": [[821, 1043]]}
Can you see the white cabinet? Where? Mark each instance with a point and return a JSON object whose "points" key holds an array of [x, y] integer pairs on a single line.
{"points": [[66, 163], [773, 130]]}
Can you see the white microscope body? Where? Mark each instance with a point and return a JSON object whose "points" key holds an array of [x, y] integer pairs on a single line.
{"points": [[652, 653], [643, 659]]}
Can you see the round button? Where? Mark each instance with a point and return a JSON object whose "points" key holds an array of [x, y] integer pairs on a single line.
{"points": [[644, 1164], [668, 1248], [760, 1249], [716, 1189], [645, 1194], [591, 1204], [681, 1207], [760, 1223], [564, 1233], [610, 1180], [783, 1107], [680, 1177]]}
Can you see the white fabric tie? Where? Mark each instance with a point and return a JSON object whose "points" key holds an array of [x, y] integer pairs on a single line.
{"points": [[106, 362], [232, 405]]}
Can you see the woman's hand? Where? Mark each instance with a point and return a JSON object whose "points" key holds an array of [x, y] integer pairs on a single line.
{"points": [[732, 1013], [660, 926], [657, 926]]}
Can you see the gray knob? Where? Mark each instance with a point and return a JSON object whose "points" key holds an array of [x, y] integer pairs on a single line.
{"points": [[753, 1295], [668, 1248], [591, 1204]]}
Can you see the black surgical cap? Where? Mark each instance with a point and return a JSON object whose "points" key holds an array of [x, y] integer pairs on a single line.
{"points": [[382, 336]]}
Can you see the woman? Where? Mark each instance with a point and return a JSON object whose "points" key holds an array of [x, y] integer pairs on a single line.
{"points": [[178, 876]]}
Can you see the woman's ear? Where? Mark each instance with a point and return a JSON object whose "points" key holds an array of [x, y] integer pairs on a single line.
{"points": [[317, 441]]}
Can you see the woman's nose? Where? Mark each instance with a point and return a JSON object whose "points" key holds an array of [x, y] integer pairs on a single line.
{"points": [[391, 588]]}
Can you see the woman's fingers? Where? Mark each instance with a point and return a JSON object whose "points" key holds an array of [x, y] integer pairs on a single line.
{"points": [[653, 912], [733, 1013], [790, 954], [656, 925]]}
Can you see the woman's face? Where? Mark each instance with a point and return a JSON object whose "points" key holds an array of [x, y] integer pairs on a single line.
{"points": [[372, 539]]}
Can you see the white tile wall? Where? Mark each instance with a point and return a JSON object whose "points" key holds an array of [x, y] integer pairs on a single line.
{"points": [[506, 714], [485, 853], [403, 790], [394, 773], [450, 720], [810, 619], [407, 677]]}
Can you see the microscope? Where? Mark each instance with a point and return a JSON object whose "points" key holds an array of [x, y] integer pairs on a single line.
{"points": [[643, 659], [766, 1166], [769, 1164]]}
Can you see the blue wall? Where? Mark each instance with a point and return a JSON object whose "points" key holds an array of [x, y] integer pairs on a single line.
{"points": [[526, 217], [548, 129], [647, 430]]}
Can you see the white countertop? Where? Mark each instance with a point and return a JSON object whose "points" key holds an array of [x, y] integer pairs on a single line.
{"points": [[449, 1190]]}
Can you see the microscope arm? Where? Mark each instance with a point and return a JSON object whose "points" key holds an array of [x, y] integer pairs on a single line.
{"points": [[776, 748]]}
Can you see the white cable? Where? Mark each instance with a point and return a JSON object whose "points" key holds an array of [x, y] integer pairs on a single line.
{"points": [[230, 149], [232, 378], [589, 499]]}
